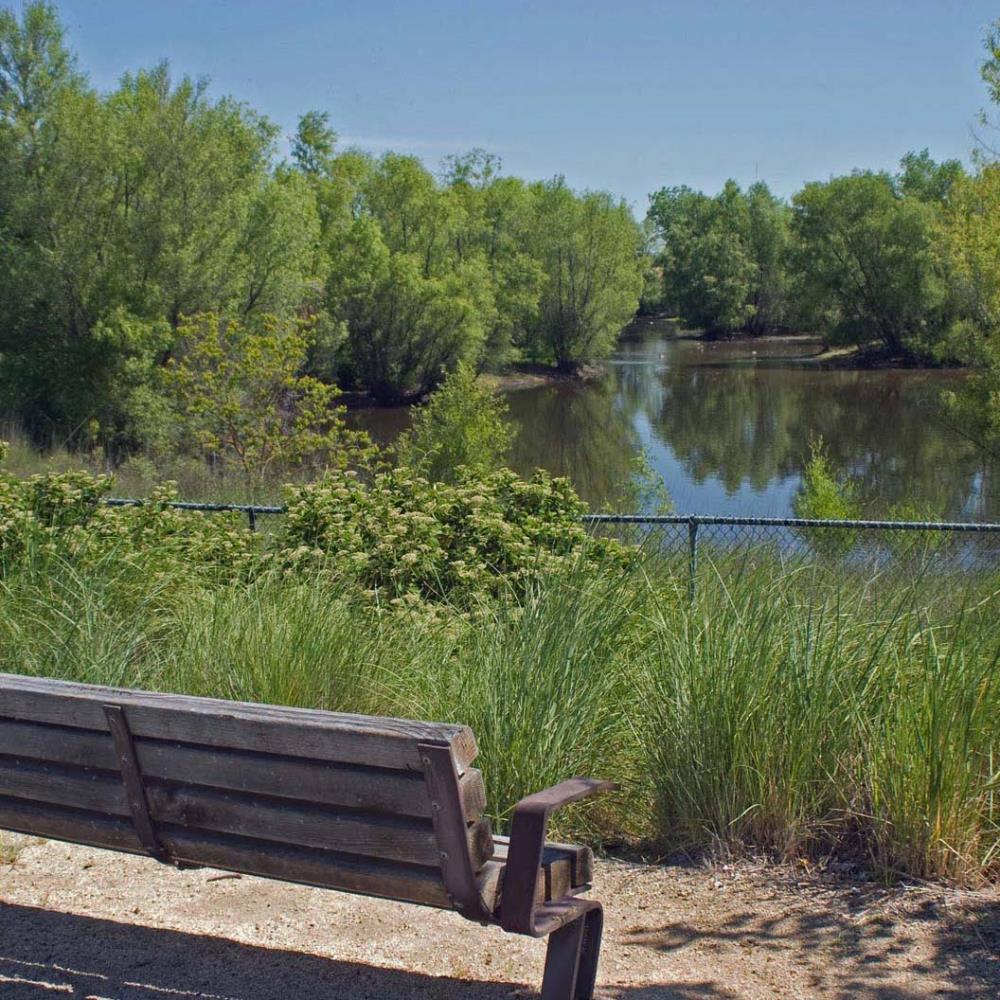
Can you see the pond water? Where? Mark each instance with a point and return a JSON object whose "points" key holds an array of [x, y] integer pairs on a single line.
{"points": [[728, 426]]}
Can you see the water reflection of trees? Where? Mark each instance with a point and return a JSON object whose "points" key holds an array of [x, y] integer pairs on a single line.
{"points": [[577, 431], [754, 424]]}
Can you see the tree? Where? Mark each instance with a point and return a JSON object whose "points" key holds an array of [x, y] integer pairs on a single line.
{"points": [[122, 213], [493, 226], [724, 257], [239, 395], [404, 328], [990, 73], [184, 218], [589, 248], [283, 263], [823, 495], [971, 235], [768, 241], [464, 424], [34, 65], [866, 263], [706, 270], [313, 143], [922, 178]]}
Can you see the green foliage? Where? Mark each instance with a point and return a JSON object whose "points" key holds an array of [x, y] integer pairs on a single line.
{"points": [[313, 143], [922, 178], [589, 248], [125, 212], [496, 215], [824, 496], [401, 537], [723, 258], [971, 237], [110, 236], [59, 516], [34, 63], [866, 263], [239, 395], [403, 326], [990, 72], [463, 425]]}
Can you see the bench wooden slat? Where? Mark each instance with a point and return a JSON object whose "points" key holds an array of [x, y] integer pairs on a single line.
{"points": [[397, 792], [71, 825], [394, 838], [409, 883], [79, 788], [295, 732], [301, 865]]}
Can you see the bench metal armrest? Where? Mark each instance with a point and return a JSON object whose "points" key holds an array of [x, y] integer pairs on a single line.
{"points": [[529, 827]]}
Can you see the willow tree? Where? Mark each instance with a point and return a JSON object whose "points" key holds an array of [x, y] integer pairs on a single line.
{"points": [[121, 214], [867, 263], [723, 257], [589, 248], [405, 327]]}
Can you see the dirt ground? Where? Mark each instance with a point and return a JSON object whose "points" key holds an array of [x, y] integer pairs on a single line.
{"points": [[94, 925]]}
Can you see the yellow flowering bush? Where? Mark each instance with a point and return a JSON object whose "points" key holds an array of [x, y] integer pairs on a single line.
{"points": [[402, 535], [393, 536]]}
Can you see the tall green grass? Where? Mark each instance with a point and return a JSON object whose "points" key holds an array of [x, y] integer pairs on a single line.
{"points": [[793, 710]]}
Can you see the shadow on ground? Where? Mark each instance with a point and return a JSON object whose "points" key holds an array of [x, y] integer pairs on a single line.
{"points": [[45, 955], [858, 952]]}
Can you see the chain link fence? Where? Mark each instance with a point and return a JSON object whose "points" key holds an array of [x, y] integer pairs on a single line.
{"points": [[907, 547], [867, 546]]}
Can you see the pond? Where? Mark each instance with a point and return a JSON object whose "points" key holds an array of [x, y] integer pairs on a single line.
{"points": [[728, 424]]}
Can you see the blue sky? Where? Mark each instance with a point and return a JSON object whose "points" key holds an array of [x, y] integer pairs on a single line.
{"points": [[626, 96]]}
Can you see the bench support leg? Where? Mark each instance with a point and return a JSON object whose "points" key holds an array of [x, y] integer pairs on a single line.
{"points": [[571, 960]]}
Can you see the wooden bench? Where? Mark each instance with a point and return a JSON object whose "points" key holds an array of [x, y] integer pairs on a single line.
{"points": [[378, 806]]}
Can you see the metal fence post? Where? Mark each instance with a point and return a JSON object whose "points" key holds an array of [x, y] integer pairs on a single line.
{"points": [[692, 559], [252, 518]]}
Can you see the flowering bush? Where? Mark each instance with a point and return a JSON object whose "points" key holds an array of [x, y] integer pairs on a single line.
{"points": [[62, 514], [407, 537], [394, 534], [215, 544]]}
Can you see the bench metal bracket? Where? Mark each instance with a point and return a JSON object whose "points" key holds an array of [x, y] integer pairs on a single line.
{"points": [[574, 925], [448, 816], [135, 791]]}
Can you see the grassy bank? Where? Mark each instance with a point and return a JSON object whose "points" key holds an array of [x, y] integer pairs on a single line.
{"points": [[796, 710]]}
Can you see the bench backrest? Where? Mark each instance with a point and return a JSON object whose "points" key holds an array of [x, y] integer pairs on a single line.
{"points": [[387, 807]]}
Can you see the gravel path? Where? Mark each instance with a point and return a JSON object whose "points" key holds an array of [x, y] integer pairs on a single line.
{"points": [[93, 925]]}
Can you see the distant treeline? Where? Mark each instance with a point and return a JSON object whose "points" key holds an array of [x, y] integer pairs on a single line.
{"points": [[124, 215], [867, 258], [903, 264]]}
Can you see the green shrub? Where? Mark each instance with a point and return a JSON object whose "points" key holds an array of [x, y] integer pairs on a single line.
{"points": [[914, 545], [405, 537], [61, 515], [37, 510], [463, 424], [824, 496]]}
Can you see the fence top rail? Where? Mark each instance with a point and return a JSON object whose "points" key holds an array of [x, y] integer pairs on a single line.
{"points": [[685, 519], [789, 522]]}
